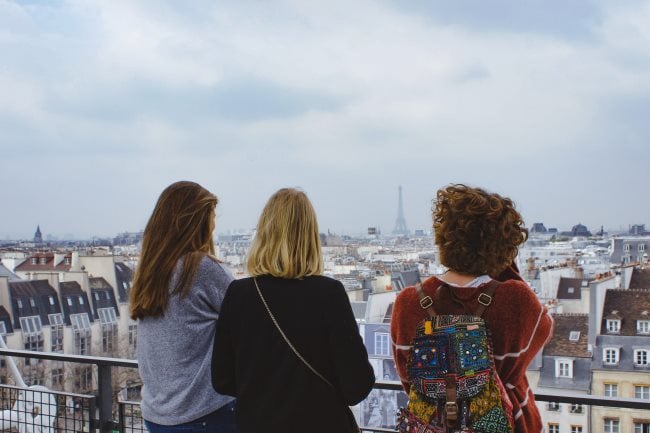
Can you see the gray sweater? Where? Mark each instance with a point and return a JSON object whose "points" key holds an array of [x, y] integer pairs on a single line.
{"points": [[175, 351]]}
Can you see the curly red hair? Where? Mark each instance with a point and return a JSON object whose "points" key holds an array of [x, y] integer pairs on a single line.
{"points": [[476, 232]]}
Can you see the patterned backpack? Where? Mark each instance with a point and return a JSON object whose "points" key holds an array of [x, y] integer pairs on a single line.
{"points": [[454, 385]]}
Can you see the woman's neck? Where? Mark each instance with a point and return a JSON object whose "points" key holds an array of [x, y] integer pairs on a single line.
{"points": [[458, 279]]}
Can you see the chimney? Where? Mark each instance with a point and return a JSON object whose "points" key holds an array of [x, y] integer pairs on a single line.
{"points": [[75, 264], [4, 292], [580, 272]]}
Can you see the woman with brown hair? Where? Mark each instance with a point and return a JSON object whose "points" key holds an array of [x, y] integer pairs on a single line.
{"points": [[289, 346], [176, 298], [478, 235]]}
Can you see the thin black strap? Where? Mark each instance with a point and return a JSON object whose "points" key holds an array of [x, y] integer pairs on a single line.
{"points": [[286, 339]]}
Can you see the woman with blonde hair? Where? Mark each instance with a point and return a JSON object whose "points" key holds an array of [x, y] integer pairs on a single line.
{"points": [[289, 346], [176, 298]]}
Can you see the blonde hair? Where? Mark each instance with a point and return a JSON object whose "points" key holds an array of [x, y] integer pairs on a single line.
{"points": [[180, 226], [287, 242]]}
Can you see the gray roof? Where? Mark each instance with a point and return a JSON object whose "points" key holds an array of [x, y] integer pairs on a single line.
{"points": [[5, 272], [626, 346], [581, 380], [359, 309]]}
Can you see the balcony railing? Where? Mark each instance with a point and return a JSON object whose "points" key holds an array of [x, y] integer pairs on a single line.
{"points": [[99, 412]]}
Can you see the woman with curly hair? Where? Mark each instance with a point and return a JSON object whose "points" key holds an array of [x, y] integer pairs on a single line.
{"points": [[478, 235]]}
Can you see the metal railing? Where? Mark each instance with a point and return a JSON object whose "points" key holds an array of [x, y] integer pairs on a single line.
{"points": [[96, 411]]}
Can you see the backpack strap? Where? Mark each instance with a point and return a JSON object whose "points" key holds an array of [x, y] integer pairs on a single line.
{"points": [[425, 300], [485, 297]]}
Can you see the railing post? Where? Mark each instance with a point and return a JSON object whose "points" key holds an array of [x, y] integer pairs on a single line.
{"points": [[105, 403]]}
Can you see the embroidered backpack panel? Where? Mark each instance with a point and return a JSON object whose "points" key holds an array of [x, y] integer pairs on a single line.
{"points": [[454, 385]]}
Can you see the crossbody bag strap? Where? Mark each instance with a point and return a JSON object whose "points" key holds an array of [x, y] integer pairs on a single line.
{"points": [[295, 351]]}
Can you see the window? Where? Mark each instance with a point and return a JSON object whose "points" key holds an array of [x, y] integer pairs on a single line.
{"points": [[20, 303], [626, 247], [67, 260], [51, 300], [81, 300], [43, 260], [570, 290], [56, 332], [553, 428], [610, 356], [641, 358], [642, 427], [576, 429], [3, 332], [133, 335], [641, 248], [643, 326], [576, 408], [642, 391], [611, 425], [84, 378], [32, 302], [57, 378], [611, 390], [31, 325], [563, 368], [34, 261], [613, 326], [70, 302], [382, 344], [97, 296], [553, 406], [81, 332], [574, 336], [32, 330], [108, 320]]}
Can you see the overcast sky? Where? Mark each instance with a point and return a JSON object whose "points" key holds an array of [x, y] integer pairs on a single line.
{"points": [[105, 103]]}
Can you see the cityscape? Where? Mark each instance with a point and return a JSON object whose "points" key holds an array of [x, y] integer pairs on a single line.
{"points": [[72, 298]]}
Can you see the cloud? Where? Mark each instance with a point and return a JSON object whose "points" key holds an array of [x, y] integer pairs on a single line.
{"points": [[112, 101]]}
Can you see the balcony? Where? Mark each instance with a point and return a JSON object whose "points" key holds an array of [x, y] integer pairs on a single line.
{"points": [[30, 410]]}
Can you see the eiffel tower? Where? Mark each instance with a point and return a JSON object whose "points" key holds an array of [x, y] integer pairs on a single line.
{"points": [[400, 223]]}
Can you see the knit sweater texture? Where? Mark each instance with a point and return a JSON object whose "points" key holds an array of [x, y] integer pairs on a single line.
{"points": [[175, 350], [275, 391], [520, 326]]}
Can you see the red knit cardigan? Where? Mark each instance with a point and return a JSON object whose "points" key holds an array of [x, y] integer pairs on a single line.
{"points": [[519, 324]]}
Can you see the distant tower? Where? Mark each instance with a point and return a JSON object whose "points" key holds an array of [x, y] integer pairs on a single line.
{"points": [[38, 237], [400, 223]]}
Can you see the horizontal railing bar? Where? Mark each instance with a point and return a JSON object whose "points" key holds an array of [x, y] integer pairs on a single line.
{"points": [[81, 359], [590, 400], [49, 391]]}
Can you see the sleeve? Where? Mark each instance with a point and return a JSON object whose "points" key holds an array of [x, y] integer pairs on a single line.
{"points": [[215, 279], [515, 350], [223, 350], [355, 376], [401, 336]]}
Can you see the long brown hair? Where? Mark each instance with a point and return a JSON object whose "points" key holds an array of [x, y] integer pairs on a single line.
{"points": [[287, 242], [180, 226]]}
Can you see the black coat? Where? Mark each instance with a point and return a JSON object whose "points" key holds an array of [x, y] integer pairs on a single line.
{"points": [[275, 391]]}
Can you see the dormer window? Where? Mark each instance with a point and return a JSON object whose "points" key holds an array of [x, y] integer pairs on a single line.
{"points": [[34, 261], [610, 356], [564, 368], [626, 247], [43, 260], [574, 336], [51, 300], [641, 358], [570, 290], [32, 302], [641, 248], [81, 300], [20, 303], [69, 302], [613, 326], [643, 327], [67, 261]]}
